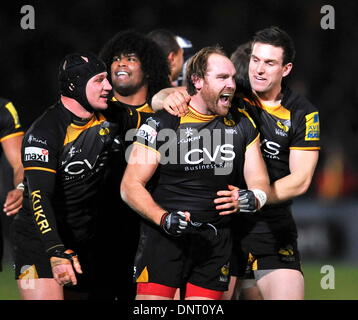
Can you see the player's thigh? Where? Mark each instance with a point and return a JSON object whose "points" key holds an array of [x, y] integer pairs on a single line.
{"points": [[282, 284], [40, 289]]}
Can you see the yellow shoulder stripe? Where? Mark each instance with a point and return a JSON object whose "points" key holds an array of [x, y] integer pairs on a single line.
{"points": [[9, 106], [248, 116]]}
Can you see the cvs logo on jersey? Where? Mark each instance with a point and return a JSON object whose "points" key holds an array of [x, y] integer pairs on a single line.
{"points": [[226, 154], [270, 147], [77, 167]]}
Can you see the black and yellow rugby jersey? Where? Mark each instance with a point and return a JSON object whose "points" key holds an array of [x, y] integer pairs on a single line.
{"points": [[10, 125], [292, 125], [64, 159], [117, 162], [200, 154]]}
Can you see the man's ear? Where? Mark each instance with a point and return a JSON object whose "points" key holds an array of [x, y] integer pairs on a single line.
{"points": [[287, 69], [171, 57], [197, 81]]}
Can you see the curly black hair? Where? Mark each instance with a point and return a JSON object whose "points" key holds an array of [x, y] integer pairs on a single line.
{"points": [[154, 63]]}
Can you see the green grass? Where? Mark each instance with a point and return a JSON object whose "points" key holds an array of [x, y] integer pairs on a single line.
{"points": [[8, 287], [345, 282]]}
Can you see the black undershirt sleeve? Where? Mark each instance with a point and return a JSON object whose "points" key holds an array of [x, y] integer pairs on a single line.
{"points": [[41, 185]]}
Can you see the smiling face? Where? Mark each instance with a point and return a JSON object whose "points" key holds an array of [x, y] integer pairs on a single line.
{"points": [[98, 89], [126, 74], [266, 70]]}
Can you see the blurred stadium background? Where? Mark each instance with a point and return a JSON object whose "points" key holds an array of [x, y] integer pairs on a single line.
{"points": [[324, 71]]}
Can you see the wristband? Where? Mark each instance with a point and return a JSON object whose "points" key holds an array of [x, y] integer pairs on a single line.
{"points": [[20, 186], [260, 196]]}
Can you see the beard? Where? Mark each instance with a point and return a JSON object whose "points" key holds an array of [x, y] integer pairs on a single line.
{"points": [[212, 99]]}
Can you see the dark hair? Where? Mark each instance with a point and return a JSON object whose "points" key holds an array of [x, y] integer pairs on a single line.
{"points": [[241, 59], [197, 66], [154, 64], [165, 40], [277, 38]]}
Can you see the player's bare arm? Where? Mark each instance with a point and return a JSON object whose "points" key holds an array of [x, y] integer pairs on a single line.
{"points": [[142, 164], [302, 166], [12, 150], [173, 100]]}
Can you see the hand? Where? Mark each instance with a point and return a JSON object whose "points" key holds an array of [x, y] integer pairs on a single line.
{"points": [[61, 264], [175, 223], [251, 200], [228, 200], [13, 202], [177, 103]]}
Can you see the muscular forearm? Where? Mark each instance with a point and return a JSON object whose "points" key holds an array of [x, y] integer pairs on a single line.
{"points": [[140, 200], [288, 187], [18, 175], [302, 166]]}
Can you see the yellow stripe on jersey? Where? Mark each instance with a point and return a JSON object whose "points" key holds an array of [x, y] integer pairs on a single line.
{"points": [[194, 116], [138, 120], [40, 168], [73, 130], [253, 141], [9, 106], [247, 115], [144, 108], [278, 111], [16, 134], [305, 148]]}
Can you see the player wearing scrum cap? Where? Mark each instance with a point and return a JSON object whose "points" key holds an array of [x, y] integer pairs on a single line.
{"points": [[64, 155]]}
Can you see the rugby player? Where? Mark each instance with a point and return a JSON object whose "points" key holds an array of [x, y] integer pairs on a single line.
{"points": [[182, 234], [137, 69], [167, 41], [11, 134], [266, 242], [64, 155]]}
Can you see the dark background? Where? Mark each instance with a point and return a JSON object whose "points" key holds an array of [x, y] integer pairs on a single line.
{"points": [[325, 68]]}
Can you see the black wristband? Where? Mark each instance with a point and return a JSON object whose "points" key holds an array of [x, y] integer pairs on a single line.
{"points": [[60, 253]]}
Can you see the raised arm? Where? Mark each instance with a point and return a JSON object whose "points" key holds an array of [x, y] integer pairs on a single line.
{"points": [[173, 100]]}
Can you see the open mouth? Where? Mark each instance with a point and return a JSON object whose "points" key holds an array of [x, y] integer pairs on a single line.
{"points": [[225, 98], [104, 96], [121, 73]]}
